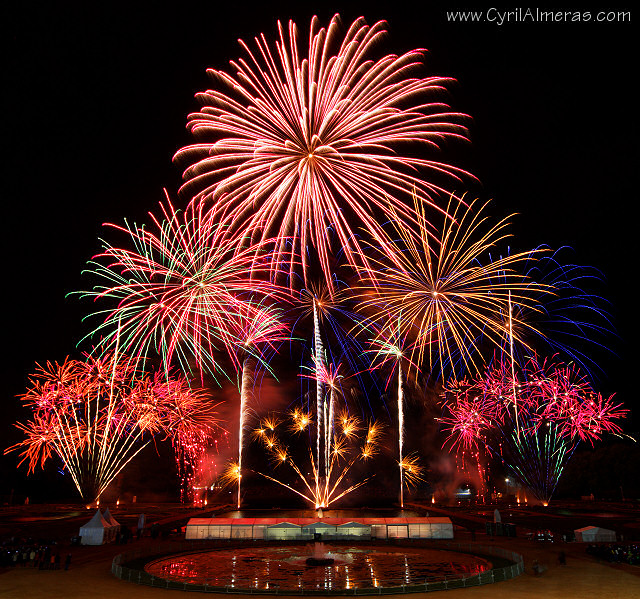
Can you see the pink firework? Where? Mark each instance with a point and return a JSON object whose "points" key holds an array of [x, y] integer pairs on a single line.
{"points": [[532, 422], [469, 418], [312, 146]]}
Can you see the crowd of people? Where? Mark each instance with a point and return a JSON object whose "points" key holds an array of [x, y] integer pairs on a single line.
{"points": [[625, 554], [28, 554]]}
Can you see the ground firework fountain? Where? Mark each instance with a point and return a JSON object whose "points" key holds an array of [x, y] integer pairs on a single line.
{"points": [[348, 447]]}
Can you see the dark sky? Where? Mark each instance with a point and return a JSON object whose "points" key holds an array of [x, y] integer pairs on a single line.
{"points": [[95, 105]]}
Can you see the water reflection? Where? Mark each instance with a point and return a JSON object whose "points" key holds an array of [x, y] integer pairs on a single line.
{"points": [[284, 567]]}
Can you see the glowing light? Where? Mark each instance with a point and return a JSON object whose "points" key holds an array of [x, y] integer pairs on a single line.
{"points": [[324, 486], [179, 289], [557, 409]]}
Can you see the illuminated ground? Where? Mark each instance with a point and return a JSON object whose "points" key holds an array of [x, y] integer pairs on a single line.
{"points": [[90, 576]]}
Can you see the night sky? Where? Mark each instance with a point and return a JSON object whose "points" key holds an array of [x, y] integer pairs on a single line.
{"points": [[95, 105]]}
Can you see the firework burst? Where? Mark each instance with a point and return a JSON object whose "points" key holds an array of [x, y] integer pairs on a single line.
{"points": [[97, 415], [440, 295], [570, 318], [178, 290], [323, 488], [410, 465], [300, 146], [534, 423]]}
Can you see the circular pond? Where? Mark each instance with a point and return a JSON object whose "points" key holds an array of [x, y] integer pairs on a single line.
{"points": [[286, 567]]}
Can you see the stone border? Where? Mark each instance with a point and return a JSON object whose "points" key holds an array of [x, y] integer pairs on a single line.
{"points": [[139, 576]]}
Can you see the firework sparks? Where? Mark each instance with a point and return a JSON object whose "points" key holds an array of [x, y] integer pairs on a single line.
{"points": [[187, 417], [300, 420], [179, 290], [97, 415], [410, 465], [349, 425], [572, 317], [390, 346], [441, 295], [231, 475], [306, 145], [535, 431], [370, 448], [259, 328], [323, 488]]}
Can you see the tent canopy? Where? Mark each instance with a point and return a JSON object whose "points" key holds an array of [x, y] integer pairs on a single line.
{"points": [[109, 518], [97, 521], [97, 531], [594, 534]]}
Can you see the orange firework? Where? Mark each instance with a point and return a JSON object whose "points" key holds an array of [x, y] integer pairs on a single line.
{"points": [[96, 415], [323, 488], [447, 295]]}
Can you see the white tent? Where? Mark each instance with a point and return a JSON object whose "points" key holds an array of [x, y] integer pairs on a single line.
{"points": [[354, 529], [283, 531], [595, 534], [97, 531], [115, 525]]}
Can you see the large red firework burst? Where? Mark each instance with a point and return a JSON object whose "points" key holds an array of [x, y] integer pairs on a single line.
{"points": [[310, 146]]}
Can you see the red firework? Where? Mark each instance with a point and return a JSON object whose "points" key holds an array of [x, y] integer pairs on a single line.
{"points": [[303, 148], [98, 414]]}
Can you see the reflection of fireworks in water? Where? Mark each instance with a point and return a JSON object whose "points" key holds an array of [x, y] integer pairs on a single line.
{"points": [[305, 145], [97, 415], [536, 432], [323, 488]]}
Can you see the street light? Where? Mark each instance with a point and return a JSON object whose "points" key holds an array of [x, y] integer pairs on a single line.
{"points": [[508, 481]]}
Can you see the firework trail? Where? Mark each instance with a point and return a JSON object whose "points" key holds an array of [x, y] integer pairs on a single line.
{"points": [[319, 302], [177, 289], [319, 363], [444, 297], [295, 146], [389, 345], [259, 328], [336, 337], [401, 431], [569, 316], [330, 378]]}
